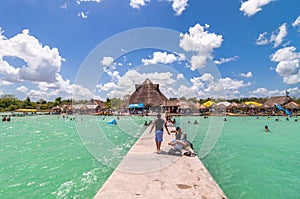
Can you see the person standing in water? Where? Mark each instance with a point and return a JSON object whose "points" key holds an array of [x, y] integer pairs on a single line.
{"points": [[159, 125]]}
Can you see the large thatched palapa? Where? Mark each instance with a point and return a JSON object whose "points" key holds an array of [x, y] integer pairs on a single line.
{"points": [[282, 100], [148, 94]]}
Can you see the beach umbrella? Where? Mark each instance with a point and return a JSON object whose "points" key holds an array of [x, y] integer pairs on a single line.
{"points": [[223, 103], [253, 103], [208, 103], [25, 110]]}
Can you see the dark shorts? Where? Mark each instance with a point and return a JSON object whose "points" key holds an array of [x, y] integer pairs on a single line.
{"points": [[158, 136]]}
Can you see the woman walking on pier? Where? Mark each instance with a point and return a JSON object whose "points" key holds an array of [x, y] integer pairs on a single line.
{"points": [[159, 129]]}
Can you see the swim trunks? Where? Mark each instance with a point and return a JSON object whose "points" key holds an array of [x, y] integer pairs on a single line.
{"points": [[159, 136]]}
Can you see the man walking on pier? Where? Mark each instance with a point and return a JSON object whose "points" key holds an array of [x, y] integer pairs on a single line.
{"points": [[159, 129]]}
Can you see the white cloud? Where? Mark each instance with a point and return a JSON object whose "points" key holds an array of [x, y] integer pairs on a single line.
{"points": [[22, 89], [200, 41], [106, 61], [179, 6], [126, 84], [296, 22], [198, 61], [277, 39], [277, 36], [262, 40], [180, 76], [83, 15], [288, 65], [83, 1], [251, 7], [40, 68], [207, 86], [225, 60], [285, 54], [42, 63], [64, 6], [136, 4], [263, 92], [161, 57], [247, 75]]}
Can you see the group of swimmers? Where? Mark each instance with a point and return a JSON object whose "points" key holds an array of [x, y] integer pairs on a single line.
{"points": [[6, 119]]}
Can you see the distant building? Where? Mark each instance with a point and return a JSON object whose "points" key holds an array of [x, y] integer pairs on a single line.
{"points": [[150, 95]]}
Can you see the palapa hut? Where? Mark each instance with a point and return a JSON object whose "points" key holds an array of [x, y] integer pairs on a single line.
{"points": [[292, 106], [148, 94], [282, 100]]}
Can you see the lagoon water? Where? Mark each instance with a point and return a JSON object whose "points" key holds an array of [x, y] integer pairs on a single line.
{"points": [[55, 157]]}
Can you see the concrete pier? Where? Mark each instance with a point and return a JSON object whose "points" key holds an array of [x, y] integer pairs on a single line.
{"points": [[145, 174]]}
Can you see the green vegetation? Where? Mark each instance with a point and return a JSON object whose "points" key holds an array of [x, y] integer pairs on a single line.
{"points": [[11, 103]]}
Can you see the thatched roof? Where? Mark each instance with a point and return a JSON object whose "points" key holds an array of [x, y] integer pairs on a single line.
{"points": [[292, 105], [275, 100], [185, 104], [148, 94], [171, 103], [233, 104], [97, 102], [242, 105]]}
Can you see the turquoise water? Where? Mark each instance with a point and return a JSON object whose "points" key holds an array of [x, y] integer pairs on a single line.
{"points": [[249, 163], [44, 157], [51, 157]]}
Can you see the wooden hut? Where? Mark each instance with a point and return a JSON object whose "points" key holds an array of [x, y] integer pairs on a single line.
{"points": [[276, 100], [148, 94]]}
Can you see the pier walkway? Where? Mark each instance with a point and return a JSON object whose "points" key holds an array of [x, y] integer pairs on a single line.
{"points": [[145, 174]]}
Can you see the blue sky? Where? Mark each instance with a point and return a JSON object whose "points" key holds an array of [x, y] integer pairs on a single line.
{"points": [[205, 48]]}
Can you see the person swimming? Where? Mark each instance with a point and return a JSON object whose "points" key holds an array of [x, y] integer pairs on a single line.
{"points": [[267, 128]]}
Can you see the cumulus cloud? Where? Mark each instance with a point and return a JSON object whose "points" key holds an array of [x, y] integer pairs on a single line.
{"points": [[201, 42], [208, 86], [40, 67], [136, 4], [126, 84], [287, 64], [247, 75], [251, 7], [161, 57], [225, 60], [42, 63], [179, 6]]}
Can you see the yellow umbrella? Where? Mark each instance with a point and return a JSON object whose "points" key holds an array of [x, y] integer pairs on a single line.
{"points": [[208, 103], [253, 103], [25, 110]]}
